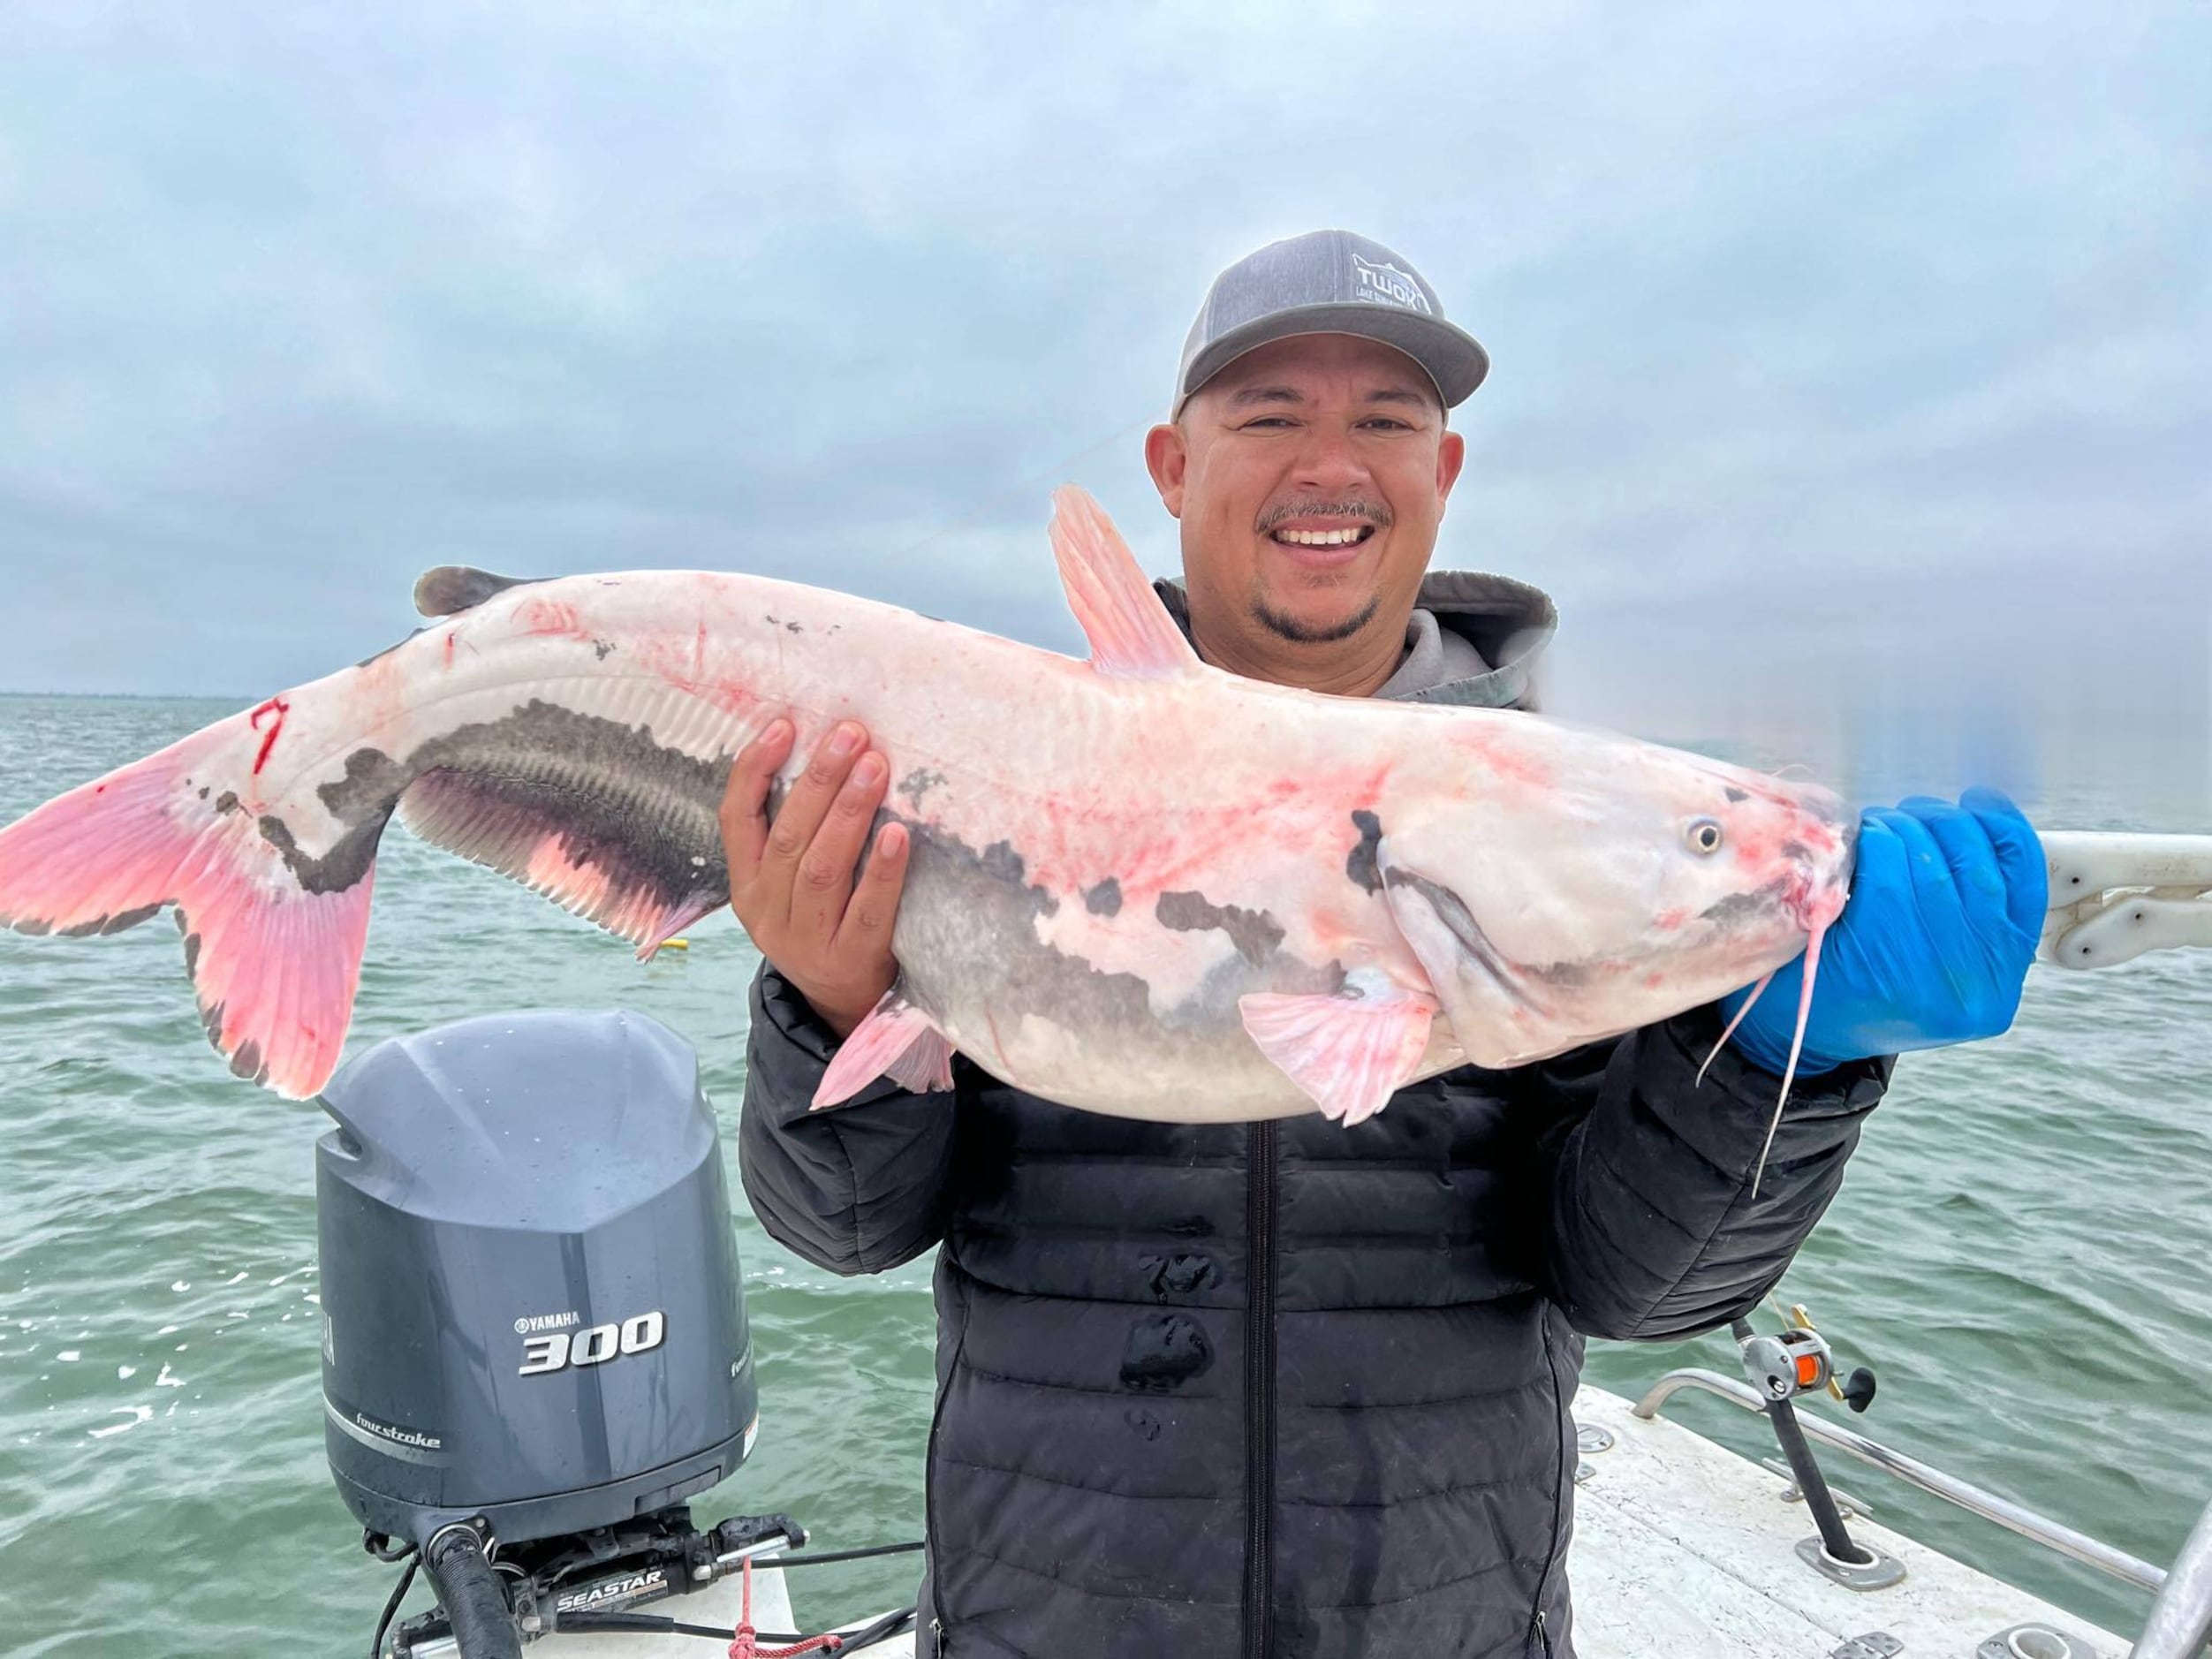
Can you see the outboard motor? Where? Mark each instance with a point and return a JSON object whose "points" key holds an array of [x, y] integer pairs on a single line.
{"points": [[534, 1343]]}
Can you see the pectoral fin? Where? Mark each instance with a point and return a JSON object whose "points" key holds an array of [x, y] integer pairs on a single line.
{"points": [[897, 1041], [1350, 1052]]}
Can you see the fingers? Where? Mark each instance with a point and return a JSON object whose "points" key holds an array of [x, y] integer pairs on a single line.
{"points": [[2019, 854], [805, 804], [1880, 866], [744, 813], [1936, 898], [824, 875], [1964, 843], [793, 880], [869, 919]]}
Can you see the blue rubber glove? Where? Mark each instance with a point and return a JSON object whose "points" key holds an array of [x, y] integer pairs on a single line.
{"points": [[1945, 910]]}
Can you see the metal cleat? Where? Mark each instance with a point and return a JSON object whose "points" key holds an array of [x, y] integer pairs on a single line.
{"points": [[2113, 896]]}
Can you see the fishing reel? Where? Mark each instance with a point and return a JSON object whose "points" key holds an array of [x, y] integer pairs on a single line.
{"points": [[1799, 1361]]}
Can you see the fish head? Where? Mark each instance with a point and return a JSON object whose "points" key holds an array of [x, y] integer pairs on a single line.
{"points": [[1743, 880], [1607, 885]]}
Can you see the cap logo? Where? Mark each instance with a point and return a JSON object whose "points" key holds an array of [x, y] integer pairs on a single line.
{"points": [[1386, 284]]}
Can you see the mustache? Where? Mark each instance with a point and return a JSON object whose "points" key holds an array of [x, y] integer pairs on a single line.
{"points": [[1375, 512]]}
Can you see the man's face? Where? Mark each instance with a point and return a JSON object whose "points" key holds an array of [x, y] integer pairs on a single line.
{"points": [[1310, 476]]}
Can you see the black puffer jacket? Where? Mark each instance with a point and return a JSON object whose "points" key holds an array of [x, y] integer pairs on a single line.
{"points": [[1284, 1389]]}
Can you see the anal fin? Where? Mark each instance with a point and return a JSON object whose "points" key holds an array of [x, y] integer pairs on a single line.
{"points": [[1349, 1051], [897, 1041], [538, 822]]}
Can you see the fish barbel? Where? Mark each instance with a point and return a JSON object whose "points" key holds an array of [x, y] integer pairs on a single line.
{"points": [[1138, 885]]}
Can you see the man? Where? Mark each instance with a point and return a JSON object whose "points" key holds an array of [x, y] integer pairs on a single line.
{"points": [[1282, 1388]]}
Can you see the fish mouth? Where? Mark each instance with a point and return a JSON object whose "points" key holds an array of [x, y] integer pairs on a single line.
{"points": [[1815, 907], [1819, 885]]}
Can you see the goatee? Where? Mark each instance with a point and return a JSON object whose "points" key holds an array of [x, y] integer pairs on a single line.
{"points": [[1309, 634]]}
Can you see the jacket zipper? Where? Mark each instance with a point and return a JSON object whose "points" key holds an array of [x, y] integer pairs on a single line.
{"points": [[1259, 1612], [935, 1613], [1538, 1631], [929, 1527]]}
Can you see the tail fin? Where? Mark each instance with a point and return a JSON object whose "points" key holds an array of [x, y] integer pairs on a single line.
{"points": [[273, 942]]}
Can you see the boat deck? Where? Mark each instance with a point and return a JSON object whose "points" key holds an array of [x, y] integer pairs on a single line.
{"points": [[1681, 1547]]}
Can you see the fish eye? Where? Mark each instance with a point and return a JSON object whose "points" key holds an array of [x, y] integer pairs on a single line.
{"points": [[1704, 835]]}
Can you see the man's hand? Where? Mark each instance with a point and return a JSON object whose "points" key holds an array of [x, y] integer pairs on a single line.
{"points": [[1946, 906], [791, 885]]}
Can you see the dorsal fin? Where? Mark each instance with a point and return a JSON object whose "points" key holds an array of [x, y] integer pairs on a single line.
{"points": [[1130, 634], [453, 589]]}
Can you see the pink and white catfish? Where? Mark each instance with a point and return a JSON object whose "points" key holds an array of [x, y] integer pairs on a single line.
{"points": [[1138, 885]]}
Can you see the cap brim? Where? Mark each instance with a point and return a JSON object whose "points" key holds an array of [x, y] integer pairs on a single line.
{"points": [[1453, 358]]}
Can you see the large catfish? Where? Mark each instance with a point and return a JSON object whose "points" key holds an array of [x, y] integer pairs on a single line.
{"points": [[1138, 885]]}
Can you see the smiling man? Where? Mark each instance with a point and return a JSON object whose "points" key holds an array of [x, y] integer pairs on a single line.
{"points": [[1310, 476], [1286, 1389]]}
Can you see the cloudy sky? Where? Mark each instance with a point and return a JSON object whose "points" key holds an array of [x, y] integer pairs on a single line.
{"points": [[1846, 357]]}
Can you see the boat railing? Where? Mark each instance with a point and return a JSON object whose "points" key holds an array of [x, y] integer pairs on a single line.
{"points": [[2181, 1619]]}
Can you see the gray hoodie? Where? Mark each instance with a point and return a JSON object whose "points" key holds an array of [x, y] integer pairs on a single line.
{"points": [[1473, 638]]}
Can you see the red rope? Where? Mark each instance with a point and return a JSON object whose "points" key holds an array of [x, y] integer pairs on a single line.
{"points": [[747, 1644]]}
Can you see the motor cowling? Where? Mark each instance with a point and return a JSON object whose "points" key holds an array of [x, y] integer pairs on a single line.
{"points": [[533, 1315]]}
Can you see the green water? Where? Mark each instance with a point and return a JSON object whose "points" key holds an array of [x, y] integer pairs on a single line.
{"points": [[2021, 1251]]}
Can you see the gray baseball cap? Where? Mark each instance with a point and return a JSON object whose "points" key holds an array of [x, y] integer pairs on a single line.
{"points": [[1327, 282]]}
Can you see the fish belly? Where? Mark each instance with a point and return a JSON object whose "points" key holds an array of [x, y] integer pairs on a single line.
{"points": [[1091, 894]]}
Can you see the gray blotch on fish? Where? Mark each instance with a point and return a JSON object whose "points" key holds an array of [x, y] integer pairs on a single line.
{"points": [[1103, 900], [1001, 863], [1361, 863], [114, 923], [246, 1062], [1745, 906], [362, 800], [973, 916], [1255, 932], [917, 784]]}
